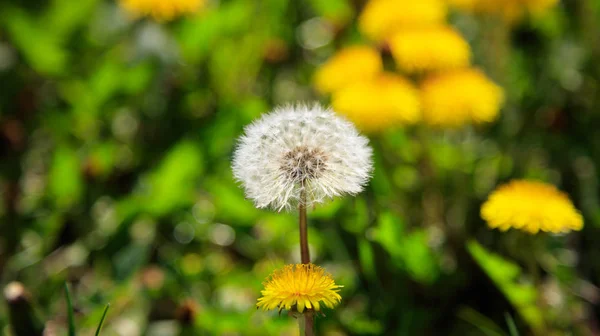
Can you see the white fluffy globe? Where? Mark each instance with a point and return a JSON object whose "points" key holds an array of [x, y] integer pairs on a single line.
{"points": [[301, 154]]}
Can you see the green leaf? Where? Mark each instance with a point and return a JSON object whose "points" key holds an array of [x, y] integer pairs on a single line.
{"points": [[408, 250], [41, 49], [380, 182], [230, 202], [65, 177], [419, 260], [388, 233], [505, 275], [482, 322], [130, 259], [512, 327], [173, 183], [64, 16], [358, 220], [367, 258], [198, 36], [339, 12]]}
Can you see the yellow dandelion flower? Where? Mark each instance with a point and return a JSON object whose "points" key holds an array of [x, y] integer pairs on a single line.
{"points": [[380, 18], [458, 97], [299, 286], [429, 49], [351, 64], [531, 206], [161, 10], [385, 101]]}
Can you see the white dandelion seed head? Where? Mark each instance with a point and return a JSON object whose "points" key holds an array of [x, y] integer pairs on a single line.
{"points": [[301, 154]]}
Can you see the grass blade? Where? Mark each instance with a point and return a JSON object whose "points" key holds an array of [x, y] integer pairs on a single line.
{"points": [[70, 314], [102, 319], [512, 327]]}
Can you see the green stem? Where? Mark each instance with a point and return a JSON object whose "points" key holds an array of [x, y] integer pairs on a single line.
{"points": [[102, 320], [497, 51], [70, 314], [304, 253], [306, 324], [538, 244]]}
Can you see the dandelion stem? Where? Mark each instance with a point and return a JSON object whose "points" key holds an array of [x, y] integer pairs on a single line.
{"points": [[308, 325], [304, 254]]}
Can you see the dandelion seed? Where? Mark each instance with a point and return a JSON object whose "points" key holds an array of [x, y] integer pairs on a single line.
{"points": [[531, 206], [299, 287], [301, 155]]}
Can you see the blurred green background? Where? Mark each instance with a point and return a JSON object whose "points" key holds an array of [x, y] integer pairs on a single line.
{"points": [[116, 137]]}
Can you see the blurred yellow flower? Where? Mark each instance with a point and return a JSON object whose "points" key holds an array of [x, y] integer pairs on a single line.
{"points": [[429, 49], [385, 101], [381, 18], [161, 10], [510, 10], [531, 206], [299, 286], [458, 97], [351, 64]]}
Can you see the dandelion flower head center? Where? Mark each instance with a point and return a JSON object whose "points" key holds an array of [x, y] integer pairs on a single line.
{"points": [[302, 163]]}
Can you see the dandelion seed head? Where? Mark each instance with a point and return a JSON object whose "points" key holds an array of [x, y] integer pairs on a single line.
{"points": [[301, 154], [303, 163]]}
